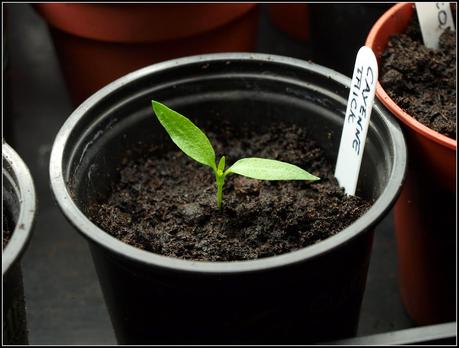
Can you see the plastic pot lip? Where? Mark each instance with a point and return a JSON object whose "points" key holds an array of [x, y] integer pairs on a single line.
{"points": [[381, 94], [28, 205], [134, 24], [104, 239]]}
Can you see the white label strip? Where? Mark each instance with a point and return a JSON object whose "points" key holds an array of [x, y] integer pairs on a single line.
{"points": [[434, 18], [357, 119]]}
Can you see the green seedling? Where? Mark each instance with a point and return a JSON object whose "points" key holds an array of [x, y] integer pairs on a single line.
{"points": [[194, 143]]}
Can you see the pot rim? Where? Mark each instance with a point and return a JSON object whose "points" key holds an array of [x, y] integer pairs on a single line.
{"points": [[104, 239], [403, 116], [25, 189]]}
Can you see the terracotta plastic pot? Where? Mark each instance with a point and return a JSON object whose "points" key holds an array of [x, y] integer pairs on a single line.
{"points": [[426, 210], [292, 19], [299, 297], [97, 43], [19, 204]]}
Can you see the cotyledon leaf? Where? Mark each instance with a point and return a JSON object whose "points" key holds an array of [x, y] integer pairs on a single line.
{"points": [[189, 138], [193, 142], [268, 169]]}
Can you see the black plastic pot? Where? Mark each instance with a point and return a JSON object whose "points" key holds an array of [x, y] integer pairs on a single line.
{"points": [[338, 30], [19, 204], [300, 297]]}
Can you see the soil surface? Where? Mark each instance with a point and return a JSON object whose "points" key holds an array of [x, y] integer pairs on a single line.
{"points": [[422, 81], [7, 227], [166, 203]]}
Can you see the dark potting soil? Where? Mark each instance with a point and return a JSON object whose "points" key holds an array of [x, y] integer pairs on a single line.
{"points": [[165, 202], [422, 81], [7, 227]]}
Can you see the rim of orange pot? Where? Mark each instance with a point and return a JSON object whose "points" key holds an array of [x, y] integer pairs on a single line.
{"points": [[377, 44], [137, 22]]}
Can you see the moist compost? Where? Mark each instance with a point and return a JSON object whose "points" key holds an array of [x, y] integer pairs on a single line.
{"points": [[7, 227], [420, 80], [165, 202]]}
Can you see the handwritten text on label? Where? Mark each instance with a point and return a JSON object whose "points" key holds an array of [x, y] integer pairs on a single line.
{"points": [[434, 18], [357, 119]]}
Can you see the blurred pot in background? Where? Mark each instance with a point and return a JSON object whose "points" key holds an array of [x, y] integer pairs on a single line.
{"points": [[97, 43], [292, 19]]}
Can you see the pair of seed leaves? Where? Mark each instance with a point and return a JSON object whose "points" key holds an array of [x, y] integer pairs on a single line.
{"points": [[194, 143]]}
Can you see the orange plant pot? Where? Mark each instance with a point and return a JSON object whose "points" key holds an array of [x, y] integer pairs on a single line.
{"points": [[292, 19], [97, 43], [425, 212]]}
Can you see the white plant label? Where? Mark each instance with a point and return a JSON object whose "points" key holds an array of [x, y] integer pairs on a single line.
{"points": [[434, 18], [357, 119]]}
